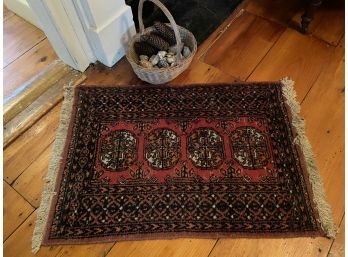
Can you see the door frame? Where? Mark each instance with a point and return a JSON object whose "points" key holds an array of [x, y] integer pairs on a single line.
{"points": [[85, 31]]}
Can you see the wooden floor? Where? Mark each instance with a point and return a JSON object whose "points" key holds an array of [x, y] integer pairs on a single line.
{"points": [[259, 45], [26, 52]]}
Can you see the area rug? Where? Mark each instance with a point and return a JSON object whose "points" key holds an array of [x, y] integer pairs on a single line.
{"points": [[153, 162]]}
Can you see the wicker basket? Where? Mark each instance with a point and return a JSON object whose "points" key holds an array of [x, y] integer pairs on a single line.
{"points": [[161, 75]]}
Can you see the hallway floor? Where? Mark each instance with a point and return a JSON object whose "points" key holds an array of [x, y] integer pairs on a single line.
{"points": [[27, 52], [253, 44]]}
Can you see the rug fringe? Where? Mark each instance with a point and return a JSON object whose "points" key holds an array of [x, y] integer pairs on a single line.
{"points": [[51, 177], [319, 198]]}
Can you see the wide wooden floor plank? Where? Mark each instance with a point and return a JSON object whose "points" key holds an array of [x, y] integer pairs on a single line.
{"points": [[120, 74], [19, 37], [200, 72], [328, 22], [275, 10], [30, 183], [243, 45], [19, 245], [27, 66], [16, 210], [22, 152], [160, 248], [298, 56], [123, 74], [288, 247], [337, 248], [223, 27], [323, 111]]}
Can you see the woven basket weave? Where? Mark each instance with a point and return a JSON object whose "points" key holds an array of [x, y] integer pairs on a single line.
{"points": [[161, 75]]}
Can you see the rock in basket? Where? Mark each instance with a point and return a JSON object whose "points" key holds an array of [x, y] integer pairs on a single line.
{"points": [[155, 75]]}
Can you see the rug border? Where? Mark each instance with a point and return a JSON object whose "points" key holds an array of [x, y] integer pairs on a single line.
{"points": [[314, 181], [59, 153], [178, 235], [52, 179]]}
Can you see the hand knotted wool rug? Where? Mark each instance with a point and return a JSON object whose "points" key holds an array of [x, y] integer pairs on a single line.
{"points": [[146, 162]]}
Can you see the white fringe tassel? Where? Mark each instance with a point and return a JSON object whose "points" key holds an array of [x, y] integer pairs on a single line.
{"points": [[50, 179], [319, 198]]}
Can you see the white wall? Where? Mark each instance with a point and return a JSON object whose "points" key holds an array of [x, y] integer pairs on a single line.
{"points": [[108, 25], [85, 31]]}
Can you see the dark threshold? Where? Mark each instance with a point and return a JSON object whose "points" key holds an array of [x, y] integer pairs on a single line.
{"points": [[201, 17]]}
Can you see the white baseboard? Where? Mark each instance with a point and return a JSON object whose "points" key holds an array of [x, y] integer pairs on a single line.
{"points": [[109, 40]]}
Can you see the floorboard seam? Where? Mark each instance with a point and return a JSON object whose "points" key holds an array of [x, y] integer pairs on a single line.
{"points": [[15, 179], [310, 89], [333, 240], [106, 254], [296, 28], [238, 13], [324, 41], [259, 63], [19, 225], [213, 247], [24, 52], [21, 196]]}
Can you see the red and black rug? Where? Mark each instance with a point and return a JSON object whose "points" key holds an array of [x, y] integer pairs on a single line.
{"points": [[146, 162]]}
